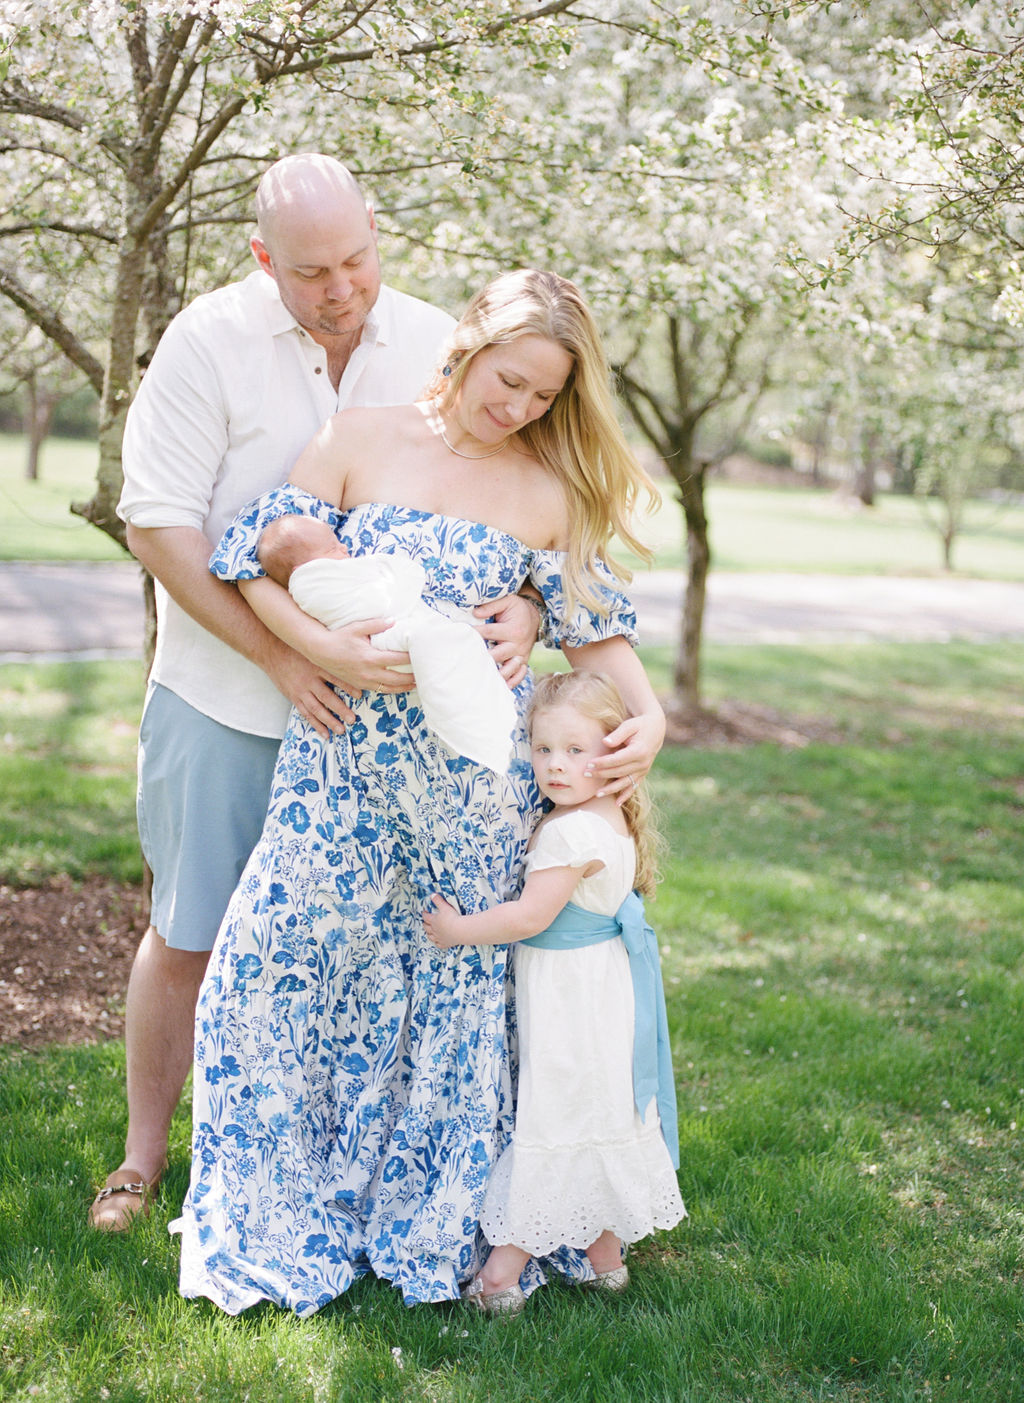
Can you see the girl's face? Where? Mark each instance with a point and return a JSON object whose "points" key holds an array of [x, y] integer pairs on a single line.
{"points": [[507, 386], [563, 743]]}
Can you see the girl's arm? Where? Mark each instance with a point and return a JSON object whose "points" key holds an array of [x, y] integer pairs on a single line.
{"points": [[636, 742], [544, 894]]}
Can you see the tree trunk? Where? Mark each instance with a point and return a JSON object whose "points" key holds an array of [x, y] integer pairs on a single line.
{"points": [[686, 675], [149, 635], [42, 404], [866, 479], [822, 446], [101, 509], [948, 534]]}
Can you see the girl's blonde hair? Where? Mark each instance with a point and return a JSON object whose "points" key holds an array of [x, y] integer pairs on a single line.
{"points": [[579, 439], [596, 695]]}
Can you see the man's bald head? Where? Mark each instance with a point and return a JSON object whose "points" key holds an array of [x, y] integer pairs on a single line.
{"points": [[317, 239], [302, 193]]}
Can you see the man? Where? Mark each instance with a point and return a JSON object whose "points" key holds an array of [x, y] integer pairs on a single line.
{"points": [[241, 381]]}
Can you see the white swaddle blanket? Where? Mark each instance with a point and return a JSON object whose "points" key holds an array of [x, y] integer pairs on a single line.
{"points": [[464, 698]]}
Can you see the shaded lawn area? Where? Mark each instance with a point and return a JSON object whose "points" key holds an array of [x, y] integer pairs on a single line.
{"points": [[841, 927]]}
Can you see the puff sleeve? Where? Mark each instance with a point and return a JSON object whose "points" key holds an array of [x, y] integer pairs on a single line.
{"points": [[583, 624], [235, 557]]}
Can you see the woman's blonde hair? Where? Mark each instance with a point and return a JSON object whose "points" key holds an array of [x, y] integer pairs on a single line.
{"points": [[596, 695], [579, 439]]}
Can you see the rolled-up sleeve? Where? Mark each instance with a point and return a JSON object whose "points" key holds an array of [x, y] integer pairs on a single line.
{"points": [[176, 434]]}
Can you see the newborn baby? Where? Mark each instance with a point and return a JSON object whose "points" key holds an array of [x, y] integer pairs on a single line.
{"points": [[464, 698]]}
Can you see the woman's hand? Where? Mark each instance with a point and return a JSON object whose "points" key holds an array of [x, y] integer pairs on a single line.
{"points": [[511, 631], [350, 659], [633, 747], [441, 921]]}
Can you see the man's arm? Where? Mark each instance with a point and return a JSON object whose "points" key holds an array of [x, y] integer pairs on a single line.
{"points": [[178, 556]]}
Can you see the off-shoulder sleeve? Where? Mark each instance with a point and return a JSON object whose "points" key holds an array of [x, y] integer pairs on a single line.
{"points": [[584, 624], [235, 557], [572, 841]]}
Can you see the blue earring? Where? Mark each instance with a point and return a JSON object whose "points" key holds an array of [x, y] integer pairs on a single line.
{"points": [[447, 370]]}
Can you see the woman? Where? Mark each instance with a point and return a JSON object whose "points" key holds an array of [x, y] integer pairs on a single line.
{"points": [[351, 1085]]}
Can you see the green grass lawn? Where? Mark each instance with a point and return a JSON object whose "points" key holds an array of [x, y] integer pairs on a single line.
{"points": [[842, 929], [821, 531], [68, 735], [36, 516]]}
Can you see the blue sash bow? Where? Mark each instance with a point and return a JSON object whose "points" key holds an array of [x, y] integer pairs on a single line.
{"points": [[574, 928]]}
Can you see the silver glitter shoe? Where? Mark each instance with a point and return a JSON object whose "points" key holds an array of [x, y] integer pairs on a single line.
{"points": [[507, 1302], [615, 1280]]}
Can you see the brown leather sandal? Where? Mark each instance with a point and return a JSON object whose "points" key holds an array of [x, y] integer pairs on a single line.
{"points": [[123, 1197]]}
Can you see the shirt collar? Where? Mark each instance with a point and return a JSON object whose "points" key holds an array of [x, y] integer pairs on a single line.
{"points": [[377, 330], [277, 316]]}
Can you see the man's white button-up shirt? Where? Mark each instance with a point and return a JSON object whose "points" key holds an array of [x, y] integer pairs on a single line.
{"points": [[235, 391]]}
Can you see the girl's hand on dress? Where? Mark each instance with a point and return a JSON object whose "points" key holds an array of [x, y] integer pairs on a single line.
{"points": [[510, 634], [633, 746], [441, 921]]}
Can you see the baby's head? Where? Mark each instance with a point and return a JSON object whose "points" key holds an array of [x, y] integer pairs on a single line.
{"points": [[291, 541]]}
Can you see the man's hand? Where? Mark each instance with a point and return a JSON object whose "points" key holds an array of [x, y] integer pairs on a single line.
{"points": [[308, 690], [510, 633]]}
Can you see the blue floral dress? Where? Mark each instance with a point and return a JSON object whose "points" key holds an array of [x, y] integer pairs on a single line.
{"points": [[352, 1083]]}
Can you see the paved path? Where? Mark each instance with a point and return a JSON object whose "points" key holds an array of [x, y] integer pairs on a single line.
{"points": [[787, 608], [95, 610]]}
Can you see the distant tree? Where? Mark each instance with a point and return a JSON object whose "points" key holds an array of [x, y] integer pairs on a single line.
{"points": [[673, 190], [132, 132], [37, 378]]}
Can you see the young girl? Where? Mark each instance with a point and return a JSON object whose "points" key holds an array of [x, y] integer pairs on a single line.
{"points": [[590, 1164]]}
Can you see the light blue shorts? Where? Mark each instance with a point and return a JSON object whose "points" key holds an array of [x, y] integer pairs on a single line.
{"points": [[202, 798]]}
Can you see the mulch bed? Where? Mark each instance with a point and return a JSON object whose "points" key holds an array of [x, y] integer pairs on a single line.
{"points": [[65, 952]]}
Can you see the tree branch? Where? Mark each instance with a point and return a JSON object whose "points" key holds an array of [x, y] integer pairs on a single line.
{"points": [[58, 226], [20, 103], [52, 325]]}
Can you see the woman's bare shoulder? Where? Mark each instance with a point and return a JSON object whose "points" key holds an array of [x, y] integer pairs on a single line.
{"points": [[549, 504], [370, 422]]}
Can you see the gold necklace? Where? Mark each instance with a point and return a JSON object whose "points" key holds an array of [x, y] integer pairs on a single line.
{"points": [[471, 456]]}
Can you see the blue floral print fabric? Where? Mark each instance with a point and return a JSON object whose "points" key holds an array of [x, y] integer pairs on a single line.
{"points": [[352, 1083]]}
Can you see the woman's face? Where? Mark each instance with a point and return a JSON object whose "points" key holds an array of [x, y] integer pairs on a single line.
{"points": [[508, 386]]}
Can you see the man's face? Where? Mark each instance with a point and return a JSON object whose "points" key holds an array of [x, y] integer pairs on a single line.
{"points": [[328, 277]]}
